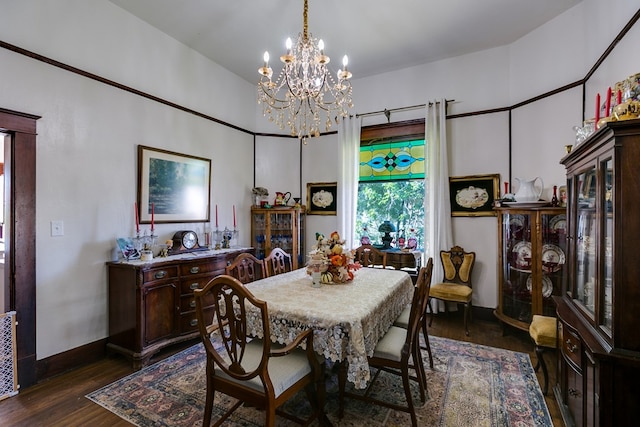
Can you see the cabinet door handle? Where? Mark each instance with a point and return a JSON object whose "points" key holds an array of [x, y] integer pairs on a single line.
{"points": [[160, 274], [194, 286], [573, 392], [194, 270], [194, 322], [571, 347], [192, 304]]}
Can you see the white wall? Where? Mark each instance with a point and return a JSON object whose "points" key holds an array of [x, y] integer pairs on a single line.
{"points": [[87, 140]]}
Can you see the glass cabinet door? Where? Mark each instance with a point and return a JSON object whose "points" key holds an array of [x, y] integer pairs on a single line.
{"points": [[586, 233], [260, 234], [607, 167], [281, 231], [553, 259], [534, 263], [517, 255]]}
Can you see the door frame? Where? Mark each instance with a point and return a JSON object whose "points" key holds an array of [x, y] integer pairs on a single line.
{"points": [[20, 247]]}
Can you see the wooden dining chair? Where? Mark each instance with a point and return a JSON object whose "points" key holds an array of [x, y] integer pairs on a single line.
{"points": [[254, 371], [246, 268], [370, 256], [397, 352], [456, 283], [423, 282], [278, 262]]}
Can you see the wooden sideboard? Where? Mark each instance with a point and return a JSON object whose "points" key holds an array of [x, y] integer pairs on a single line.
{"points": [[151, 304]]}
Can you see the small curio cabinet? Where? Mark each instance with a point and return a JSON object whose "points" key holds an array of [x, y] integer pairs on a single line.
{"points": [[598, 310], [279, 227], [532, 259]]}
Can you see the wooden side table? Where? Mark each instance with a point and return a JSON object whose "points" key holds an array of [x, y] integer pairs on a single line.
{"points": [[400, 259]]}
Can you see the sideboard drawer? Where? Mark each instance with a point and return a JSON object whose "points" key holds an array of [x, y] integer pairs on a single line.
{"points": [[200, 267], [187, 286], [160, 273], [572, 347]]}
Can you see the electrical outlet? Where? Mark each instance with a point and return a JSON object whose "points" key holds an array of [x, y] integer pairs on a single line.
{"points": [[57, 228]]}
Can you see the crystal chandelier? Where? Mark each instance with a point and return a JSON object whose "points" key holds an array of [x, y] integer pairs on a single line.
{"points": [[305, 89]]}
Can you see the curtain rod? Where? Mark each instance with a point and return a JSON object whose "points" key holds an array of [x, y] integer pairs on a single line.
{"points": [[387, 112]]}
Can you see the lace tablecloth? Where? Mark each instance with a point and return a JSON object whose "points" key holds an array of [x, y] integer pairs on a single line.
{"points": [[347, 319]]}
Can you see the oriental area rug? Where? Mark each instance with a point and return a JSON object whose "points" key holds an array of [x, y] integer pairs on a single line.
{"points": [[470, 385]]}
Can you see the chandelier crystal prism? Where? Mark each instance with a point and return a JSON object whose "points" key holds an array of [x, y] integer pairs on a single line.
{"points": [[305, 92]]}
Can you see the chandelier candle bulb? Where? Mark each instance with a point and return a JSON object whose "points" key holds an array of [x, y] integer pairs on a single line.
{"points": [[135, 210]]}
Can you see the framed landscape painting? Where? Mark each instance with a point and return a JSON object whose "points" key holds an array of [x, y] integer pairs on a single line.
{"points": [[172, 187], [473, 195]]}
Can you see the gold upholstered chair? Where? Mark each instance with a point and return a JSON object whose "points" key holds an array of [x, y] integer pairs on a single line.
{"points": [[543, 331], [456, 284]]}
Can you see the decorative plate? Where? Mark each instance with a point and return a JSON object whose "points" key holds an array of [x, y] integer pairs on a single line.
{"points": [[516, 222], [522, 252], [558, 222], [547, 286], [472, 197], [322, 199], [552, 258], [537, 204]]}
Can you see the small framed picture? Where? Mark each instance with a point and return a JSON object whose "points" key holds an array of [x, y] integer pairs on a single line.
{"points": [[322, 198], [473, 195]]}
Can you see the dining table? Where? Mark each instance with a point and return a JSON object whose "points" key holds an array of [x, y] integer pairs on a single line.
{"points": [[348, 319]]}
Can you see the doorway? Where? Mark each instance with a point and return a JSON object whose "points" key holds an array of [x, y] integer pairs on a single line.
{"points": [[19, 231]]}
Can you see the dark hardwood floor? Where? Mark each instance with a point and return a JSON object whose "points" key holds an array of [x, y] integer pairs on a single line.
{"points": [[61, 401]]}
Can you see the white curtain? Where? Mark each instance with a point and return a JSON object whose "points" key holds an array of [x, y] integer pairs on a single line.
{"points": [[437, 218], [349, 149]]}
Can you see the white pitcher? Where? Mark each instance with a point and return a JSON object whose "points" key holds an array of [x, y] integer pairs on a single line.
{"points": [[527, 191]]}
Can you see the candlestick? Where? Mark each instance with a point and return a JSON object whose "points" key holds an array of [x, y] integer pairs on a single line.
{"points": [[135, 209], [152, 215], [234, 216], [597, 108], [608, 102], [619, 97], [216, 216]]}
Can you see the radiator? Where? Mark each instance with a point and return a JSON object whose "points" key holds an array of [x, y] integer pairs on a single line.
{"points": [[8, 356]]}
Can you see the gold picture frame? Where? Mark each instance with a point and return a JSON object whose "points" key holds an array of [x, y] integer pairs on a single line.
{"points": [[473, 195], [178, 186]]}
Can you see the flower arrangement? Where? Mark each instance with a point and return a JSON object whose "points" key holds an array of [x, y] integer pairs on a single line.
{"points": [[331, 260]]}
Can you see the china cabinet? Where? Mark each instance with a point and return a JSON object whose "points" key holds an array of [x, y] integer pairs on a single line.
{"points": [[532, 261], [279, 227], [151, 304], [599, 308]]}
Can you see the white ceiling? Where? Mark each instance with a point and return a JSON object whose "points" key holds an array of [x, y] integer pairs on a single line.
{"points": [[378, 35]]}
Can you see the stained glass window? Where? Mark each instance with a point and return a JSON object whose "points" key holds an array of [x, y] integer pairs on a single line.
{"points": [[392, 161]]}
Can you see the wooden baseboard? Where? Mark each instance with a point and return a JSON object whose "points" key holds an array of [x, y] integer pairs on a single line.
{"points": [[483, 313], [70, 359]]}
